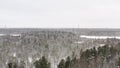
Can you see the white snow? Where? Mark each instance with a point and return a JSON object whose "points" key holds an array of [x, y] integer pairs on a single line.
{"points": [[10, 34], [14, 54], [79, 42], [30, 59], [99, 37], [37, 58], [102, 45], [2, 34], [15, 34]]}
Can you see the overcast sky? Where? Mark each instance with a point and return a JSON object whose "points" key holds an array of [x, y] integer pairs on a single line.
{"points": [[60, 13]]}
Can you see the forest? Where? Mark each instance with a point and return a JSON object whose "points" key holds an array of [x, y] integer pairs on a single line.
{"points": [[100, 57]]}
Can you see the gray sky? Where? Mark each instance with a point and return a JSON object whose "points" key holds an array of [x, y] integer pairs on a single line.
{"points": [[60, 13]]}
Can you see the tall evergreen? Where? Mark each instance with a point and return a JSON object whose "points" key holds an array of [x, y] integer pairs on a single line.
{"points": [[12, 65], [62, 64], [68, 62], [118, 63], [42, 63]]}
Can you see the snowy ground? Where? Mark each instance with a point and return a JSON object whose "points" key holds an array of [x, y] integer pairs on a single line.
{"points": [[99, 37]]}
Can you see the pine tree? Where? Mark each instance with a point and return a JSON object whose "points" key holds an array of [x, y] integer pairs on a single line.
{"points": [[94, 52], [68, 62], [12, 65], [118, 63], [42, 63], [62, 64]]}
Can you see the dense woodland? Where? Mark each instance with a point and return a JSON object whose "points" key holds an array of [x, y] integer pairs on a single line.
{"points": [[101, 57], [58, 49]]}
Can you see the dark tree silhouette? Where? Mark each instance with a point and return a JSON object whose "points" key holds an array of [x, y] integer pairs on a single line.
{"points": [[12, 65], [62, 64], [68, 62], [42, 63]]}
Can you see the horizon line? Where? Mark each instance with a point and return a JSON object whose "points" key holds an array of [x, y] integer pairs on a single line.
{"points": [[55, 28]]}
